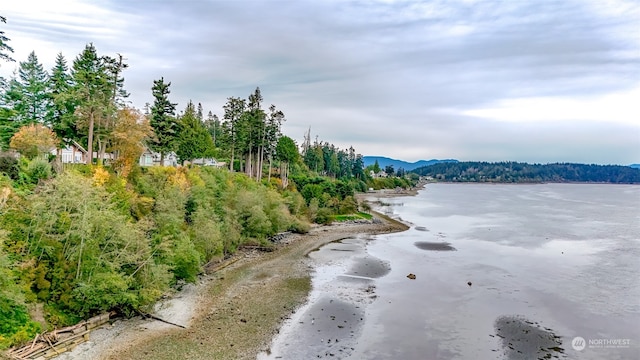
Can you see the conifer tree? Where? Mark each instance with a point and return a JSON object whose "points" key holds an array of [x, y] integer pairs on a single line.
{"points": [[29, 92], [62, 106], [194, 141], [92, 91], [163, 120], [4, 48]]}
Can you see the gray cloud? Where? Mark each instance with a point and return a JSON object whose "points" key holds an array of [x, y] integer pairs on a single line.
{"points": [[389, 78]]}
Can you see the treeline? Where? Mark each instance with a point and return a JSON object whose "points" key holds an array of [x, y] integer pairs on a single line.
{"points": [[516, 172]]}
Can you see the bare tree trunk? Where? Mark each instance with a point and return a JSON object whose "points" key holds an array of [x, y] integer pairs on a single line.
{"points": [[232, 160], [101, 150], [90, 140], [161, 159]]}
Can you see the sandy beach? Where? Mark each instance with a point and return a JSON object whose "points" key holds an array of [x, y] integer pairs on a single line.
{"points": [[233, 312]]}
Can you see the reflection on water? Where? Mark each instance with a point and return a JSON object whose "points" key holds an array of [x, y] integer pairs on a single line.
{"points": [[547, 263], [434, 246]]}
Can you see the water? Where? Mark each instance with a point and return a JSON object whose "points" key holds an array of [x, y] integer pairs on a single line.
{"points": [[501, 272]]}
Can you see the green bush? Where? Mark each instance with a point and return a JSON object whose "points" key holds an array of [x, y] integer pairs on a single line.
{"points": [[15, 324], [38, 169], [9, 166]]}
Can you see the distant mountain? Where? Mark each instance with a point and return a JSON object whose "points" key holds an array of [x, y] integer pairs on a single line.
{"points": [[384, 161], [515, 172], [635, 166]]}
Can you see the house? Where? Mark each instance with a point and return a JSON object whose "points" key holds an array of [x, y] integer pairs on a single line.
{"points": [[152, 158], [72, 153], [208, 162], [376, 175]]}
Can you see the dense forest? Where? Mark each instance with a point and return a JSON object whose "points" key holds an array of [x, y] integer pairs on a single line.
{"points": [[515, 172], [110, 234]]}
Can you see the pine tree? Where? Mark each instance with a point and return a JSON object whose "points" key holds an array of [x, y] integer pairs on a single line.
{"points": [[163, 121]]}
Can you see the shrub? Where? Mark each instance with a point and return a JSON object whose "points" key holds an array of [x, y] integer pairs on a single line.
{"points": [[38, 169], [9, 166]]}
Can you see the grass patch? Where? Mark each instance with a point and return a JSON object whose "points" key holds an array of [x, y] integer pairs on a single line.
{"points": [[350, 217]]}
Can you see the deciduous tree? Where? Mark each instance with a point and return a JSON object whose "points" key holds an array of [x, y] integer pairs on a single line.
{"points": [[128, 138], [34, 140]]}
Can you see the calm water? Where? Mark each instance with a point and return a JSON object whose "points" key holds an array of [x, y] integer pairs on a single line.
{"points": [[501, 272]]}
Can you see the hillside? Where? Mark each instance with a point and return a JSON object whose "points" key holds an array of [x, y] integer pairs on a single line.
{"points": [[514, 172], [385, 161]]}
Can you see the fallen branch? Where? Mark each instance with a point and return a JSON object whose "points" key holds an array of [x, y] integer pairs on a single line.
{"points": [[149, 316]]}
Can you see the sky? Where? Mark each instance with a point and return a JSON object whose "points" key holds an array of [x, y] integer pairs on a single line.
{"points": [[536, 81]]}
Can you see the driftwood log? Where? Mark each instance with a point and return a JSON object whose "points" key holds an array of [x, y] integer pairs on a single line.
{"points": [[55, 342]]}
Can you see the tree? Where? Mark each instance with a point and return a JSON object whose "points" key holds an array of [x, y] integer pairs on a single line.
{"points": [[389, 170], [272, 134], [131, 130], [34, 140], [287, 153], [60, 114], [4, 48], [34, 98], [26, 98], [251, 132], [233, 110], [92, 91], [212, 123], [163, 121], [194, 141], [376, 167]]}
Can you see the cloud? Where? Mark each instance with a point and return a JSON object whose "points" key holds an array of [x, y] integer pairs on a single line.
{"points": [[408, 79]]}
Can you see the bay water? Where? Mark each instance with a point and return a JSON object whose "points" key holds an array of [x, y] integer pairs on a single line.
{"points": [[549, 271]]}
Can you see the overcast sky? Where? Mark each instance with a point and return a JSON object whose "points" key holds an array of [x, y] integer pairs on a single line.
{"points": [[537, 81]]}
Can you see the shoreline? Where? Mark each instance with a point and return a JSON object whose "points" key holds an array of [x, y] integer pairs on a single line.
{"points": [[233, 312]]}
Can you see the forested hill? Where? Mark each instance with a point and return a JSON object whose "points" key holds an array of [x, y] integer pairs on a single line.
{"points": [[397, 164], [514, 172]]}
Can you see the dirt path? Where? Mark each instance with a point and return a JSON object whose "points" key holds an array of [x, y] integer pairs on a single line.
{"points": [[230, 314]]}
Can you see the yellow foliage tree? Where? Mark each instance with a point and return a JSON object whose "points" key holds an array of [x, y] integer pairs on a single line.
{"points": [[33, 140], [131, 130]]}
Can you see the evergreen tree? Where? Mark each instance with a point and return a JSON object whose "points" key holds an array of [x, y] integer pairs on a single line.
{"points": [[287, 153], [199, 114], [194, 141], [92, 91], [29, 95], [212, 123], [163, 121], [61, 109], [233, 112], [4, 48]]}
